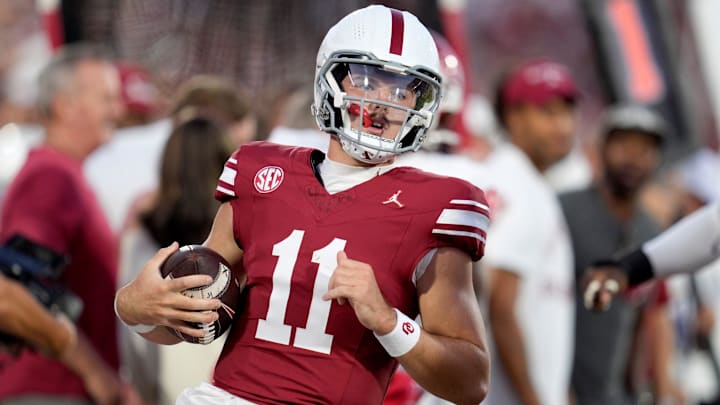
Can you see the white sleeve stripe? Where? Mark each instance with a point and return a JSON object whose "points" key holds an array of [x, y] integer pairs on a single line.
{"points": [[464, 218], [460, 233], [225, 190], [232, 160], [228, 175], [470, 202]]}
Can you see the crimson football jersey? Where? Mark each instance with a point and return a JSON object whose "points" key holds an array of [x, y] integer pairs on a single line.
{"points": [[287, 345]]}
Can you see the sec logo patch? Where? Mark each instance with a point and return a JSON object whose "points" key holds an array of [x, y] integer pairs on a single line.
{"points": [[268, 179]]}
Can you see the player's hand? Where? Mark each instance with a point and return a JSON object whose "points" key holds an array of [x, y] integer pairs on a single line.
{"points": [[355, 282], [69, 337], [151, 300], [704, 320], [101, 383], [601, 285], [131, 396], [104, 387]]}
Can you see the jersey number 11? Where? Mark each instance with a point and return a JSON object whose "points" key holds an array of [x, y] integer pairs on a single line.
{"points": [[273, 327]]}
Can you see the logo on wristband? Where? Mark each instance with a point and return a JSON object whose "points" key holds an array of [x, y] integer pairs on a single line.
{"points": [[408, 328]]}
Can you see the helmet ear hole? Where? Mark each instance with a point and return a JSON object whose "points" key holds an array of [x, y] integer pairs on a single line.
{"points": [[331, 115], [409, 139]]}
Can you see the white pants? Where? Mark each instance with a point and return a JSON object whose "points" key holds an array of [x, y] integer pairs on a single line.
{"points": [[208, 394]]}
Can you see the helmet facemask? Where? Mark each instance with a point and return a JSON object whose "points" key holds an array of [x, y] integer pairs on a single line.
{"points": [[376, 109]]}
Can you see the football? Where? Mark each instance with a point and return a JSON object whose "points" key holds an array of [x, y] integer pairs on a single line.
{"points": [[226, 286]]}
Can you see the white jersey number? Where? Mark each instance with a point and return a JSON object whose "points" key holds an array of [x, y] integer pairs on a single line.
{"points": [[273, 327]]}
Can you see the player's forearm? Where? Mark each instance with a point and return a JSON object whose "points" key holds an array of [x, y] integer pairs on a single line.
{"points": [[453, 369], [83, 360], [685, 247], [101, 382], [511, 352], [688, 245], [659, 329], [24, 317]]}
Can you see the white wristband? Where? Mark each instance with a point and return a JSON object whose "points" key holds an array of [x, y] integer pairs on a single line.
{"points": [[402, 338], [138, 328]]}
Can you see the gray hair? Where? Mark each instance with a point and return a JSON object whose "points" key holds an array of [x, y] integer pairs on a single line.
{"points": [[58, 74]]}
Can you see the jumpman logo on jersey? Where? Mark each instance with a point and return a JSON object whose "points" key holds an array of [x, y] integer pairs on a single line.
{"points": [[394, 199]]}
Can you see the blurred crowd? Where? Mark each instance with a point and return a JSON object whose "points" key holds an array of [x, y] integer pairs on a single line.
{"points": [[570, 179]]}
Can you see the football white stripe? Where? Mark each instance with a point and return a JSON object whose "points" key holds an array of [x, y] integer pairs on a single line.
{"points": [[464, 218], [459, 233], [470, 202], [225, 190], [228, 175], [232, 160]]}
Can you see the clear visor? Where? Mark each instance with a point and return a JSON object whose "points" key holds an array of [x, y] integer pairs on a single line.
{"points": [[377, 109], [382, 92]]}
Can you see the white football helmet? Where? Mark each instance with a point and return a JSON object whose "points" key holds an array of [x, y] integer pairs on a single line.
{"points": [[377, 70]]}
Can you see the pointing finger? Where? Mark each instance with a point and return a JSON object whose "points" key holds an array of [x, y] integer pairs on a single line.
{"points": [[612, 286], [590, 294]]}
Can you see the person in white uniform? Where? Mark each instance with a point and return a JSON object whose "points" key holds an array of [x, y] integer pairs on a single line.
{"points": [[529, 262], [685, 247]]}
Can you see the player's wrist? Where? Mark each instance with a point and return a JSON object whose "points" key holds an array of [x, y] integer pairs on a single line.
{"points": [[134, 326], [634, 266], [402, 338], [387, 324], [637, 267], [68, 338]]}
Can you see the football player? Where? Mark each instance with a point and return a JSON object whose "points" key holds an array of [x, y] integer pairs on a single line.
{"points": [[342, 251], [685, 247]]}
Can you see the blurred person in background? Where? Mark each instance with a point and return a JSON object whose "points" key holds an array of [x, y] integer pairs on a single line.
{"points": [[440, 153], [694, 300], [13, 152], [481, 123], [142, 99], [685, 247], [181, 209], [604, 219], [528, 261], [23, 317], [20, 129], [572, 173], [293, 123], [138, 149], [135, 146], [212, 106], [18, 82], [51, 203], [219, 99]]}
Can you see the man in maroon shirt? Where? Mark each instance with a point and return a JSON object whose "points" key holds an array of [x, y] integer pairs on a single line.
{"points": [[50, 203]]}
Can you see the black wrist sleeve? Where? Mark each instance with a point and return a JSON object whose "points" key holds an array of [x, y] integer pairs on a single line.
{"points": [[635, 264], [637, 267]]}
